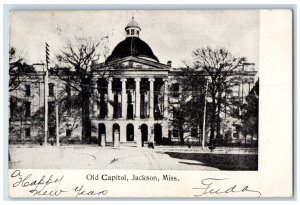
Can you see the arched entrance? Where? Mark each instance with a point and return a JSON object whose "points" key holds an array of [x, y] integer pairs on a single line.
{"points": [[101, 133], [157, 133], [144, 130], [130, 132], [116, 132]]}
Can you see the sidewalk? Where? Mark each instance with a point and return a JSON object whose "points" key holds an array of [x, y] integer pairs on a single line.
{"points": [[87, 157], [161, 148], [129, 157]]}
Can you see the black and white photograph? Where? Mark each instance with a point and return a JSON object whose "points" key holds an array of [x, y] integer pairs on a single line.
{"points": [[134, 90]]}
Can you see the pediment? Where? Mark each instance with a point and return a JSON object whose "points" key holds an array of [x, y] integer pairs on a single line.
{"points": [[140, 64]]}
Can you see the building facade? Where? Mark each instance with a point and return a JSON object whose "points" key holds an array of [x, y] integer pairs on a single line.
{"points": [[132, 106]]}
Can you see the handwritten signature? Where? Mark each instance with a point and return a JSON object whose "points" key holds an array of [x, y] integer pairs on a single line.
{"points": [[49, 185], [209, 186]]}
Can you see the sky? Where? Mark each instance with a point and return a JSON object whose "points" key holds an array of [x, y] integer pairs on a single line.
{"points": [[172, 35]]}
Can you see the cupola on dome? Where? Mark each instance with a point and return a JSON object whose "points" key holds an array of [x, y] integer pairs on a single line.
{"points": [[132, 45], [132, 23]]}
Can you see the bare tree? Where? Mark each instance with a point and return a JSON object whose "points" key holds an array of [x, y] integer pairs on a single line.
{"points": [[188, 109], [222, 70], [17, 69], [76, 65], [250, 116]]}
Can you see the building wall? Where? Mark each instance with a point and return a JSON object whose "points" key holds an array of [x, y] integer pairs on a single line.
{"points": [[70, 121]]}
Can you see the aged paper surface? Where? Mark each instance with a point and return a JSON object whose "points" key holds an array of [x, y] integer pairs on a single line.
{"points": [[149, 158]]}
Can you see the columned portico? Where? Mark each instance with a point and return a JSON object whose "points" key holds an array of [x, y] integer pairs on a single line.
{"points": [[135, 103]]}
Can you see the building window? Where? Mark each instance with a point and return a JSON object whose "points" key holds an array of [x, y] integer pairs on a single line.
{"points": [[127, 31], [129, 98], [137, 32], [27, 90], [68, 90], [175, 133], [117, 106], [103, 106], [143, 107], [129, 106], [27, 132], [68, 132], [27, 109], [50, 107], [175, 90], [194, 132], [176, 114], [52, 131], [235, 135], [132, 32], [157, 110], [51, 89]]}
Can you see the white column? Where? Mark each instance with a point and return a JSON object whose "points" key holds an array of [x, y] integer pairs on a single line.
{"points": [[137, 97], [109, 99], [165, 130], [124, 99], [95, 102], [133, 101], [151, 100], [166, 95]]}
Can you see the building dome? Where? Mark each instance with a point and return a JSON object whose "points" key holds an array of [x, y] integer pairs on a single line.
{"points": [[132, 45]]}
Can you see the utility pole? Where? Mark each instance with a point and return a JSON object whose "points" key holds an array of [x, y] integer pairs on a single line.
{"points": [[204, 116], [56, 116], [46, 94]]}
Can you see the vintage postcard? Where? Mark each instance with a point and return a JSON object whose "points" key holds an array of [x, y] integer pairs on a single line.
{"points": [[150, 103]]}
